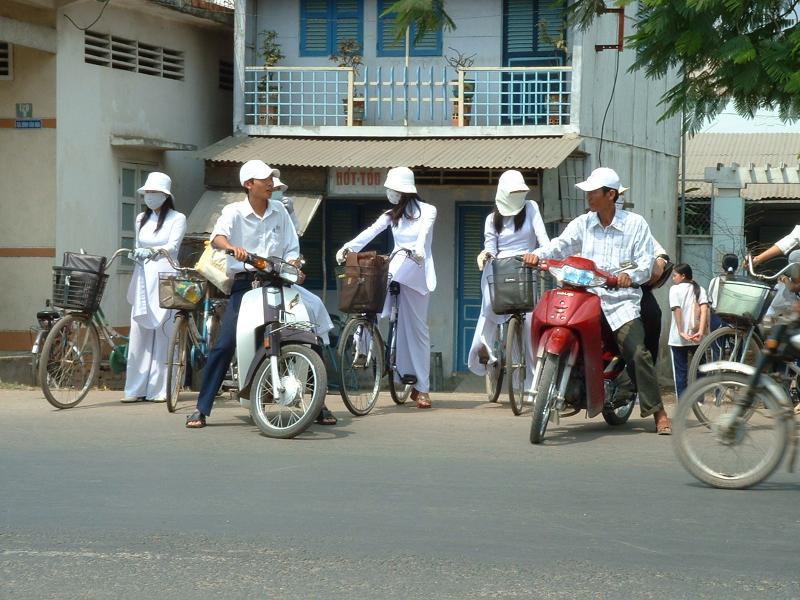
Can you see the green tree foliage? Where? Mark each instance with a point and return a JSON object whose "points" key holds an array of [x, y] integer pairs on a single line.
{"points": [[744, 51], [427, 15]]}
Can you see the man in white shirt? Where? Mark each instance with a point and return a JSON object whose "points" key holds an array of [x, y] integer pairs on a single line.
{"points": [[610, 236], [258, 226]]}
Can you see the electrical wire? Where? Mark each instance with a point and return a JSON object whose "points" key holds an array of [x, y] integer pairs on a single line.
{"points": [[603, 125], [90, 25]]}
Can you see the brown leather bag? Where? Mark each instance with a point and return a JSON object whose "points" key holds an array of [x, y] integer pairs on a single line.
{"points": [[362, 282]]}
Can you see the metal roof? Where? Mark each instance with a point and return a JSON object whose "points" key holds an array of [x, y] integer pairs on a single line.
{"points": [[434, 153], [707, 149]]}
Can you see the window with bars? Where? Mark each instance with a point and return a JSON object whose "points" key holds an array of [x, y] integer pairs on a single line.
{"points": [[6, 64], [225, 75], [132, 177], [429, 45], [107, 50], [324, 24]]}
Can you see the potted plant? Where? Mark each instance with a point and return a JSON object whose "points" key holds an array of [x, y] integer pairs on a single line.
{"points": [[349, 55], [460, 61], [270, 51]]}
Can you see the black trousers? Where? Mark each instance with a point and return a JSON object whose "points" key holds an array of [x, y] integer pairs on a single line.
{"points": [[651, 319]]}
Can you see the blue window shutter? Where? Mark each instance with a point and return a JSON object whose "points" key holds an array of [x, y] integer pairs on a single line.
{"points": [[348, 22], [553, 19], [387, 44], [315, 28], [520, 26], [429, 45]]}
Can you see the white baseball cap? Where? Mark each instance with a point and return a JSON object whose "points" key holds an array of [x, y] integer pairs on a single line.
{"points": [[400, 179], [256, 169], [599, 178], [277, 184], [157, 182]]}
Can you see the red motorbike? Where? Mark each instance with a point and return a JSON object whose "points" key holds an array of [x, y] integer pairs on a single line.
{"points": [[577, 366]]}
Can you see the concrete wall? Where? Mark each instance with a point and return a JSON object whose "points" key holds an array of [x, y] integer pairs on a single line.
{"points": [[96, 102]]}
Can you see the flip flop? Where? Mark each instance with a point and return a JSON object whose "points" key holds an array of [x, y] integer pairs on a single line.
{"points": [[423, 400], [665, 428], [326, 417], [196, 420]]}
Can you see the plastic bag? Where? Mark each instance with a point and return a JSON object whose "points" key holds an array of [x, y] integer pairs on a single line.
{"points": [[213, 265]]}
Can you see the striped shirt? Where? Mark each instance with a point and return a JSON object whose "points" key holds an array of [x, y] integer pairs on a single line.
{"points": [[627, 238]]}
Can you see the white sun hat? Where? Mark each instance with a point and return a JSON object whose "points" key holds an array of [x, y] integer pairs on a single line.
{"points": [[277, 184], [256, 169], [599, 178], [509, 204], [400, 179], [157, 182]]}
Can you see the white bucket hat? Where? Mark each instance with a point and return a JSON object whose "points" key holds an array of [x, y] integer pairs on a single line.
{"points": [[157, 182], [600, 177], [510, 181], [256, 169], [277, 184], [400, 179]]}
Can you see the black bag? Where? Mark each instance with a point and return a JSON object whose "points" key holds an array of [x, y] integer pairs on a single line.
{"points": [[85, 262], [512, 286], [80, 282], [362, 282]]}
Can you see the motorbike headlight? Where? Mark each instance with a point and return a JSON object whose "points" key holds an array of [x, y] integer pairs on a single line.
{"points": [[289, 273]]}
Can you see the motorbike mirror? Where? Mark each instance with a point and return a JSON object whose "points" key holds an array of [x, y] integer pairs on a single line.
{"points": [[730, 262], [289, 272]]}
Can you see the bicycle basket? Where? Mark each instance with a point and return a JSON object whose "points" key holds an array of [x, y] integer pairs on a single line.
{"points": [[512, 287], [78, 289], [180, 291], [362, 289], [743, 302]]}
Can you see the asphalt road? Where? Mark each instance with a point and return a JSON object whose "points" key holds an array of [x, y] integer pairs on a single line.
{"points": [[121, 501]]}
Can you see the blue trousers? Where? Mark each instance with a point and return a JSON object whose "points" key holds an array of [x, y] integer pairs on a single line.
{"points": [[681, 357], [221, 354]]}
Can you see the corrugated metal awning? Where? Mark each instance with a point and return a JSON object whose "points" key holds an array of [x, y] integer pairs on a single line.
{"points": [[707, 149], [207, 210], [433, 153]]}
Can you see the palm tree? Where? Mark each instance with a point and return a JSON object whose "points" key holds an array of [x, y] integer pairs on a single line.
{"points": [[427, 15]]}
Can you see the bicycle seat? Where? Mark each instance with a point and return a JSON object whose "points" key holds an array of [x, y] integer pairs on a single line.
{"points": [[408, 379], [47, 314]]}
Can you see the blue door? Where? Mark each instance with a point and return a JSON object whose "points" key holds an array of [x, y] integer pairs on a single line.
{"points": [[469, 242]]}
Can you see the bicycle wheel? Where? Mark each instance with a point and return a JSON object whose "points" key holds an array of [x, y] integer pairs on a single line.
{"points": [[177, 361], [304, 384], [516, 368], [70, 361], [725, 343], [721, 450], [360, 358], [400, 392], [496, 370]]}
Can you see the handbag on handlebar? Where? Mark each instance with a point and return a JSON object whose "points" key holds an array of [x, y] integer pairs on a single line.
{"points": [[511, 286], [213, 265], [362, 282]]}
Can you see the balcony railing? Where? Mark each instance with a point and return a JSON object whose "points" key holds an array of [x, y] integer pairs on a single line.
{"points": [[479, 96]]}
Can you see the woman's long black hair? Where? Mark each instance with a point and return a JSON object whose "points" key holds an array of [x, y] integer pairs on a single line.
{"points": [[162, 214], [409, 203], [686, 271], [519, 219]]}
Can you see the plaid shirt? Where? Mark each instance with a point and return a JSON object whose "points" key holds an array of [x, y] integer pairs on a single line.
{"points": [[627, 238]]}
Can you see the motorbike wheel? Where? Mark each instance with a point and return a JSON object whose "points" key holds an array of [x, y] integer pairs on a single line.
{"points": [[496, 370], [304, 382], [70, 361], [546, 390], [620, 415], [515, 365], [359, 385], [720, 450], [177, 361]]}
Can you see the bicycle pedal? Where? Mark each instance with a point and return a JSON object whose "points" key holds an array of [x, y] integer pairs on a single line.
{"points": [[408, 379]]}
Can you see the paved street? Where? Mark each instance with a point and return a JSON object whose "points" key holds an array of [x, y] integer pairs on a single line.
{"points": [[121, 501]]}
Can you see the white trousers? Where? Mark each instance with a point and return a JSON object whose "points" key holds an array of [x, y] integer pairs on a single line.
{"points": [[486, 334], [413, 337], [146, 373], [317, 312]]}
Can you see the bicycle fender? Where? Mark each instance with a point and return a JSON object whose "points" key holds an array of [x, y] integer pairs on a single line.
{"points": [[730, 366]]}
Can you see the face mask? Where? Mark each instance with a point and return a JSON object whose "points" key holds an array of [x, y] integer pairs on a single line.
{"points": [[393, 196], [517, 197], [154, 200], [277, 194]]}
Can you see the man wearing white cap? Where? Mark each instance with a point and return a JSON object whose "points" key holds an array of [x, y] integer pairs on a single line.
{"points": [[258, 226], [610, 236]]}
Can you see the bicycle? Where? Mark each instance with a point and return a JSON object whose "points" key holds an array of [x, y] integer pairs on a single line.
{"points": [[45, 320], [189, 294], [364, 358], [72, 347]]}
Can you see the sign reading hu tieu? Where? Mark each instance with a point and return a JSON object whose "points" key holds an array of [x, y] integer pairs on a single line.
{"points": [[355, 181]]}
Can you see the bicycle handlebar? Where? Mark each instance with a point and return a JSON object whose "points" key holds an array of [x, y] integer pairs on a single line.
{"points": [[748, 260]]}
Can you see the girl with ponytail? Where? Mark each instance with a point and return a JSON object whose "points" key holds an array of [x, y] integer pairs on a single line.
{"points": [[689, 323]]}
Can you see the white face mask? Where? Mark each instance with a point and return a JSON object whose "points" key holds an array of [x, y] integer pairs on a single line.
{"points": [[154, 200], [517, 197], [393, 196], [277, 195]]}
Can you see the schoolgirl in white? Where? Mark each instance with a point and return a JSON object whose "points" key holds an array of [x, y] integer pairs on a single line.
{"points": [[160, 226], [689, 305], [513, 229], [411, 222]]}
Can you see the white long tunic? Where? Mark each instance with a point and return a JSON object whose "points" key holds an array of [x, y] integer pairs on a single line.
{"points": [[143, 289]]}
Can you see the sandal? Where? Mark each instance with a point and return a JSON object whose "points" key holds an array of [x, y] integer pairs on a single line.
{"points": [[423, 400], [326, 417], [196, 420], [664, 426]]}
